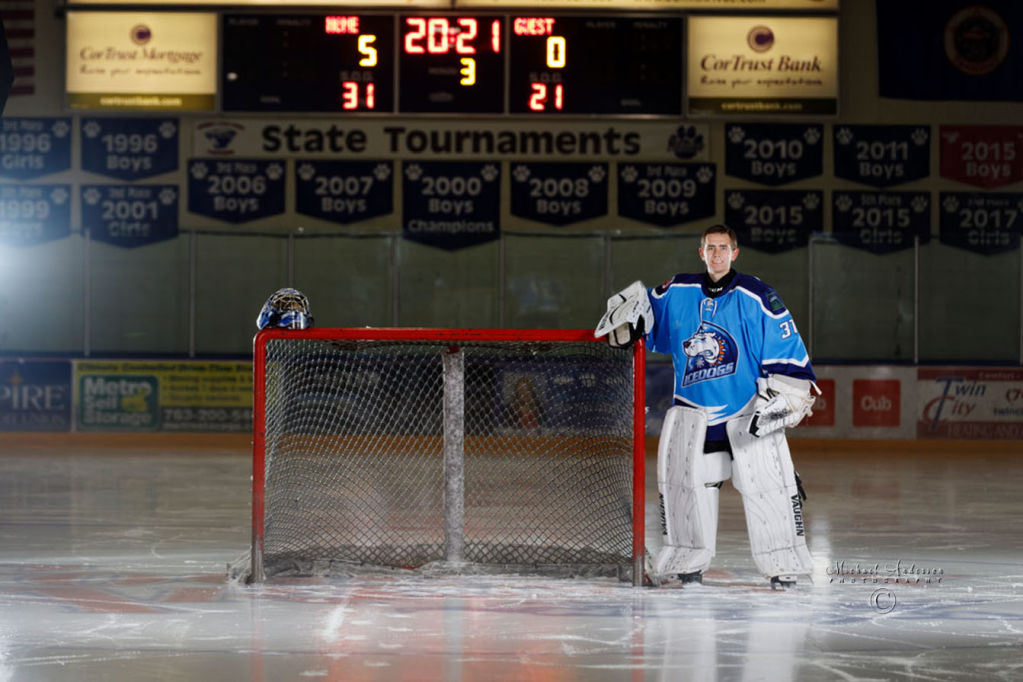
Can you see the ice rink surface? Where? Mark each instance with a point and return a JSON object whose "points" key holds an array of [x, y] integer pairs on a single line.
{"points": [[113, 562]]}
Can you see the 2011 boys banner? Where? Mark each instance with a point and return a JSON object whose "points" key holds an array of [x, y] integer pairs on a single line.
{"points": [[882, 156]]}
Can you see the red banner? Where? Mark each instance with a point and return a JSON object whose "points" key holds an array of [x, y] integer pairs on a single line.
{"points": [[983, 156]]}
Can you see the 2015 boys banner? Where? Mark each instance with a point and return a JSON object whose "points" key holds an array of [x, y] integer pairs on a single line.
{"points": [[559, 193], [33, 147], [881, 222], [982, 156], [666, 194], [451, 204], [774, 221], [882, 156], [344, 191], [985, 223], [238, 190], [33, 214], [130, 215], [774, 154], [129, 148], [35, 395]]}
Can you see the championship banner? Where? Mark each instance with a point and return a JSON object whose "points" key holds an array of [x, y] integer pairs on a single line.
{"points": [[881, 222], [971, 403], [167, 396], [451, 205], [344, 191], [774, 221], [950, 49], [236, 190], [762, 66], [983, 156], [32, 147], [129, 148], [33, 214], [985, 223], [130, 215], [559, 193], [456, 139], [143, 61], [774, 154], [35, 395], [666, 194], [882, 156]]}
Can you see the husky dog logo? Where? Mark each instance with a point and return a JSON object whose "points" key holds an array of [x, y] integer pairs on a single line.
{"points": [[711, 353]]}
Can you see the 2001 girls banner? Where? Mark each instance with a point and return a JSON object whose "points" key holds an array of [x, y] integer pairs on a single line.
{"points": [[970, 403]]}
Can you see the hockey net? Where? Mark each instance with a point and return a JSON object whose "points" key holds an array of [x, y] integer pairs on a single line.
{"points": [[412, 448]]}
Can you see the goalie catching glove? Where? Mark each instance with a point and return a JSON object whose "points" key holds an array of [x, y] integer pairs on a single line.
{"points": [[628, 317], [782, 401]]}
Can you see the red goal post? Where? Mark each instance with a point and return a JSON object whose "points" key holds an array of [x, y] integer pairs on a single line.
{"points": [[403, 447]]}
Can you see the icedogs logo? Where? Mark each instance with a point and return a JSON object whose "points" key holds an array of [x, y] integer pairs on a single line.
{"points": [[710, 353]]}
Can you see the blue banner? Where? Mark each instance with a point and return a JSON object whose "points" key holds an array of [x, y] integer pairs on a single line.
{"points": [[344, 191], [35, 395], [129, 148], [32, 214], [33, 147], [774, 220], [130, 215], [236, 191], [451, 204], [774, 153], [666, 194], [985, 223], [881, 222], [950, 49], [559, 193], [882, 156]]}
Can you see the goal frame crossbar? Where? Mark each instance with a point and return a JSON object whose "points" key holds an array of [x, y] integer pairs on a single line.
{"points": [[453, 337]]}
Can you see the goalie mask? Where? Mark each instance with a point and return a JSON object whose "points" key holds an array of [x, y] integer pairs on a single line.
{"points": [[285, 309]]}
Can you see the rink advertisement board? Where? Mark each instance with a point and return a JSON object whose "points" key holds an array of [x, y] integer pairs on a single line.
{"points": [[35, 395], [970, 403], [141, 395]]}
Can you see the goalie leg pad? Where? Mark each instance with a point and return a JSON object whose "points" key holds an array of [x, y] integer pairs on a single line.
{"points": [[687, 481], [762, 472]]}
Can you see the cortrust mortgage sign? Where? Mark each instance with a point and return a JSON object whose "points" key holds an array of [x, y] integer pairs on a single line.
{"points": [[142, 61], [765, 65]]}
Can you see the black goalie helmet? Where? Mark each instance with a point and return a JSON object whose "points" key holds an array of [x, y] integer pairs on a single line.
{"points": [[285, 309]]}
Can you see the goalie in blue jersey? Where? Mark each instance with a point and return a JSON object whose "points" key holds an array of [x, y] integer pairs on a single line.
{"points": [[742, 375]]}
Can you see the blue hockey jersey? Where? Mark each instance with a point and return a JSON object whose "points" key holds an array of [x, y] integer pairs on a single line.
{"points": [[719, 346]]}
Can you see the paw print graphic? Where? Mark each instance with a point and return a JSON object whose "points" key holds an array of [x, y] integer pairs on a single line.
{"points": [[167, 130], [812, 135], [382, 171], [61, 129], [597, 174], [629, 174], [168, 196], [413, 172], [489, 172], [843, 202], [950, 204], [705, 174], [844, 136], [736, 134], [306, 172], [920, 137], [92, 129], [811, 201], [274, 171], [91, 196], [199, 170], [920, 203], [736, 201], [59, 195], [521, 173]]}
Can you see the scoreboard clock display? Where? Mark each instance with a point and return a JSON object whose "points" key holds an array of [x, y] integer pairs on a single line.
{"points": [[489, 64], [595, 65], [306, 62]]}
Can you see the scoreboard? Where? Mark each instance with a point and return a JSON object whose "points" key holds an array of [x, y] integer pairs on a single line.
{"points": [[469, 63]]}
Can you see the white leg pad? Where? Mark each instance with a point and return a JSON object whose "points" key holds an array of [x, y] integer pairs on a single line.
{"points": [[763, 473], [689, 508]]}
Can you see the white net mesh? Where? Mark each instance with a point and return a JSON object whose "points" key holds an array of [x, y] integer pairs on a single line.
{"points": [[355, 455]]}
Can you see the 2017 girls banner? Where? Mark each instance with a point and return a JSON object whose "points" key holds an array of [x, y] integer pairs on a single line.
{"points": [[666, 194], [344, 191], [882, 156], [774, 154], [881, 222], [559, 193], [985, 223], [33, 214], [983, 156], [774, 220], [129, 148], [235, 190], [451, 204], [35, 395], [33, 147], [970, 403], [950, 49], [130, 215]]}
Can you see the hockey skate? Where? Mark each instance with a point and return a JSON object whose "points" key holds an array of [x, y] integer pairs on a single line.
{"points": [[783, 582]]}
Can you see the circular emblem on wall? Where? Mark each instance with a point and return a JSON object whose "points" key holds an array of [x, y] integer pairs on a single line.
{"points": [[141, 34], [976, 40], [760, 38]]}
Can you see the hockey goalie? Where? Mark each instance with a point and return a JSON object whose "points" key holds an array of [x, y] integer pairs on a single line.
{"points": [[742, 376]]}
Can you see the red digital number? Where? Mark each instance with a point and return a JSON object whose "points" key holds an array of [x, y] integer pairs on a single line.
{"points": [[539, 99], [436, 35], [350, 95]]}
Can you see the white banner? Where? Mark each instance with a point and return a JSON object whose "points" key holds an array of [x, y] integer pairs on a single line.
{"points": [[438, 139]]}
